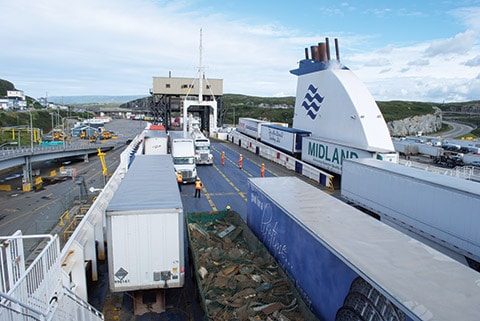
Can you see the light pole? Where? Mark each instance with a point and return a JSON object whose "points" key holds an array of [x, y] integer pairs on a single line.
{"points": [[31, 131]]}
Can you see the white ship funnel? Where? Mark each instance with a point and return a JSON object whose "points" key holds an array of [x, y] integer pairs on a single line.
{"points": [[334, 104]]}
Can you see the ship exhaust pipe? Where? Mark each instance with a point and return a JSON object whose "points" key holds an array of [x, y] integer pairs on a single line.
{"points": [[321, 52], [314, 51], [327, 48], [337, 52]]}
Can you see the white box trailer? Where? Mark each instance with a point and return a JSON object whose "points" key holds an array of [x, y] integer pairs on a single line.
{"points": [[405, 147], [329, 155], [442, 209], [145, 228], [471, 159], [251, 127], [286, 139], [429, 150], [156, 141]]}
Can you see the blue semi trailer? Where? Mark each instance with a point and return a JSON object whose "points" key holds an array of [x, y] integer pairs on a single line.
{"points": [[348, 265]]}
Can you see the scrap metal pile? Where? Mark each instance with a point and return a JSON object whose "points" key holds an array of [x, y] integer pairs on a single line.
{"points": [[237, 277]]}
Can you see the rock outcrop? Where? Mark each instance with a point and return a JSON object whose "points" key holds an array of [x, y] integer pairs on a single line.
{"points": [[412, 125]]}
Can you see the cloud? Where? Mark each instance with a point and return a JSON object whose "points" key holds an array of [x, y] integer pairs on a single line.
{"points": [[473, 62], [459, 44], [419, 62], [116, 46]]}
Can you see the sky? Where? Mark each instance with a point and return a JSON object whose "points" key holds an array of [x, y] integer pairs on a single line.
{"points": [[426, 50]]}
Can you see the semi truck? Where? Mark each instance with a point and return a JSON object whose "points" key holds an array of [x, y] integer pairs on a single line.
{"points": [[203, 154], [156, 140], [286, 139], [438, 208], [145, 228], [182, 149], [349, 266], [329, 154]]}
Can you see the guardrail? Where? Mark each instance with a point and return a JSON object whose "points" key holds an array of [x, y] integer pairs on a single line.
{"points": [[10, 152], [87, 242], [281, 158]]}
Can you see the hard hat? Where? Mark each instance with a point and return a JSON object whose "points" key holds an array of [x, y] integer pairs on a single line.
{"points": [[198, 178]]}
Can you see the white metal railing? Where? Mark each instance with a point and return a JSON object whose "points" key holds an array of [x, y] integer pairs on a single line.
{"points": [[281, 158], [53, 287], [464, 172], [37, 293]]}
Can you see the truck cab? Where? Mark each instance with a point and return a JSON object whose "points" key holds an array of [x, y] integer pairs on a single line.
{"points": [[182, 150], [202, 148]]}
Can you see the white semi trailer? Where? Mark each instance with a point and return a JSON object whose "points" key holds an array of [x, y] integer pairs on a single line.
{"points": [[441, 209], [145, 229], [156, 141]]}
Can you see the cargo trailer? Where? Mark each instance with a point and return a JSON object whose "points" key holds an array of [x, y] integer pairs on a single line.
{"points": [[145, 228], [156, 141], [286, 139], [251, 127], [349, 266], [440, 208]]}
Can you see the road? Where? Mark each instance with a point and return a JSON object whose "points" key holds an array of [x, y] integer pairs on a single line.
{"points": [[38, 212], [457, 130]]}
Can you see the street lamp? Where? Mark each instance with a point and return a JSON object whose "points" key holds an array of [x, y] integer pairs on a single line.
{"points": [[31, 131]]}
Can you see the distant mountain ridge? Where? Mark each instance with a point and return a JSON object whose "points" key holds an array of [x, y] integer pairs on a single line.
{"points": [[93, 99]]}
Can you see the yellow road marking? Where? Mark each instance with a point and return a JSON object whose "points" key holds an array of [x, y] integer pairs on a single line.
{"points": [[242, 195], [209, 199]]}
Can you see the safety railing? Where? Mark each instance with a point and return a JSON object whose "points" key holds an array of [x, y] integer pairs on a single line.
{"points": [[281, 158]]}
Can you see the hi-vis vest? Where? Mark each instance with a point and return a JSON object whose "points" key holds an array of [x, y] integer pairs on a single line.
{"points": [[179, 177]]}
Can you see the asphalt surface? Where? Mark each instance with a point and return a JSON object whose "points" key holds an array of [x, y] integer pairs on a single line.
{"points": [[38, 212], [223, 185]]}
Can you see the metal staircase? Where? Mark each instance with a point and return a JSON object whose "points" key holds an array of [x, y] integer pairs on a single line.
{"points": [[41, 291]]}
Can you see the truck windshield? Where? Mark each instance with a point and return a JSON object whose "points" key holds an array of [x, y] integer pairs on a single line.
{"points": [[183, 160], [203, 148]]}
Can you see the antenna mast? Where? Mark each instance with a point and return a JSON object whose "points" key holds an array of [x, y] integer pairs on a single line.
{"points": [[200, 72]]}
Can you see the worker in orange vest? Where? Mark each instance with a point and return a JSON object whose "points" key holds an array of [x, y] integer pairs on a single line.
{"points": [[240, 162], [223, 158], [198, 187], [262, 170], [179, 180]]}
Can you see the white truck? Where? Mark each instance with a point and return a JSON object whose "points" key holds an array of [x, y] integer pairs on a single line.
{"points": [[202, 148], [156, 141], [145, 228], [329, 155], [438, 208], [182, 149]]}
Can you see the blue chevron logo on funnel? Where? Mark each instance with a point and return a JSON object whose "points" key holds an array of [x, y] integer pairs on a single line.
{"points": [[312, 101]]}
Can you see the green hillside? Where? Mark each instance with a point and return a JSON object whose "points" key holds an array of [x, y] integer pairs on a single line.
{"points": [[5, 86]]}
